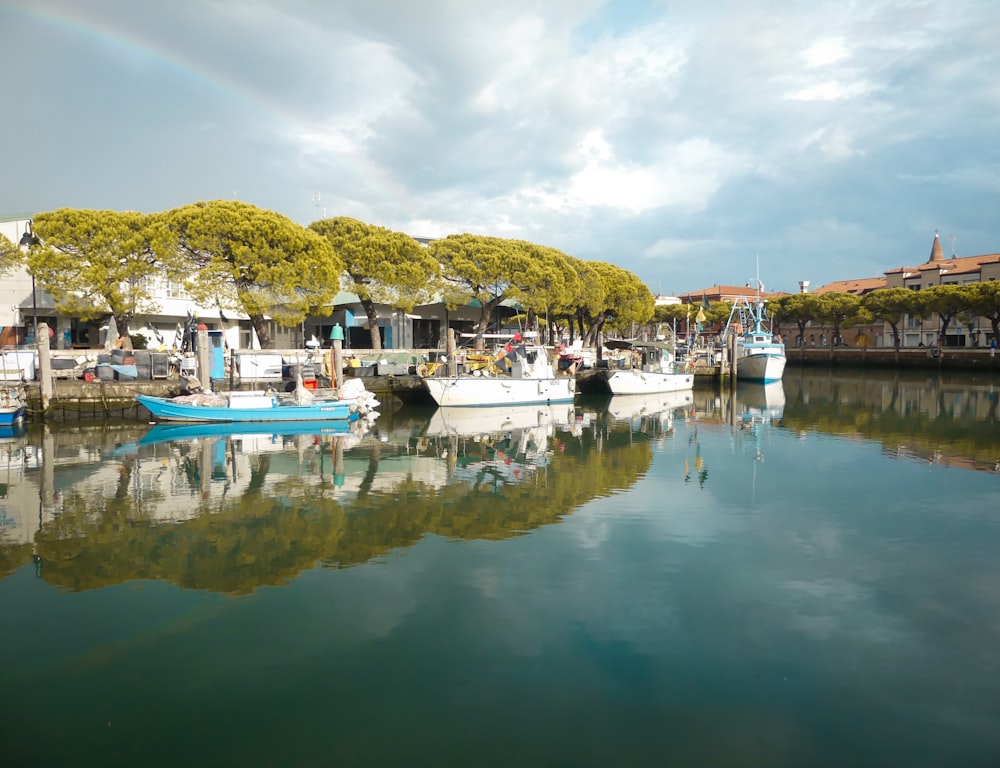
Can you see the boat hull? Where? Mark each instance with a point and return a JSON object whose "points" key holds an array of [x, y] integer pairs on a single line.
{"points": [[478, 391], [761, 366], [13, 415], [633, 382], [164, 409]]}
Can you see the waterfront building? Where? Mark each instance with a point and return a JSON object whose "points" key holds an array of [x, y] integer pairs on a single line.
{"points": [[22, 303], [916, 331]]}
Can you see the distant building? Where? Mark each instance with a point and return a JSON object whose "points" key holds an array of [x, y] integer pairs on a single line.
{"points": [[937, 270], [729, 293], [857, 287]]}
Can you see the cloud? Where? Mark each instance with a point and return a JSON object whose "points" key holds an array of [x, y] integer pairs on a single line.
{"points": [[607, 129]]}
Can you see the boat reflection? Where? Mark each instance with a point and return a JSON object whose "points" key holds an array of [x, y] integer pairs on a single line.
{"points": [[273, 431], [651, 413], [761, 403], [232, 509]]}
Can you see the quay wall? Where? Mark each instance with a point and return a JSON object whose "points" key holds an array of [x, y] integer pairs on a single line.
{"points": [[926, 358]]}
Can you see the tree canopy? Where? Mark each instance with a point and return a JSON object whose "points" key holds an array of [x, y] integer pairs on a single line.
{"points": [[890, 305], [984, 299], [97, 262], [383, 266], [252, 260], [11, 256], [491, 270]]}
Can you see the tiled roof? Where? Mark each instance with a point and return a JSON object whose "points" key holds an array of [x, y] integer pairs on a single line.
{"points": [[857, 287], [721, 290], [953, 266]]}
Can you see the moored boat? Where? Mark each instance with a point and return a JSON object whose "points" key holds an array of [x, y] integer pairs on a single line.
{"points": [[352, 402], [760, 356], [13, 405], [646, 368], [520, 373]]}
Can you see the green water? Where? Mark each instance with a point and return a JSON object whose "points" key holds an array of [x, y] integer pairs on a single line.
{"points": [[810, 580]]}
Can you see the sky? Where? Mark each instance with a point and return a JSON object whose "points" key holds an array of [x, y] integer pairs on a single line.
{"points": [[688, 142]]}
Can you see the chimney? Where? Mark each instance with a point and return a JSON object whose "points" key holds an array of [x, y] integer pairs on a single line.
{"points": [[803, 286]]}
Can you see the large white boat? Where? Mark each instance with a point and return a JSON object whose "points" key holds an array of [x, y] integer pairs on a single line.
{"points": [[760, 356], [520, 373], [646, 368]]}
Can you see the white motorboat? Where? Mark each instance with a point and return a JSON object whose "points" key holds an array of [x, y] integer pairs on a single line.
{"points": [[646, 368], [520, 373], [760, 356]]}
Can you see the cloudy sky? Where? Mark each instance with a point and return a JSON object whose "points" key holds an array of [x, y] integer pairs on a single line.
{"points": [[680, 140]]}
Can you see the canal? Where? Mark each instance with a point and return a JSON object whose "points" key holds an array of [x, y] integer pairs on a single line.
{"points": [[804, 574]]}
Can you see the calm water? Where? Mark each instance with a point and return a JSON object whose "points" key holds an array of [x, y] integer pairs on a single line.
{"points": [[806, 576]]}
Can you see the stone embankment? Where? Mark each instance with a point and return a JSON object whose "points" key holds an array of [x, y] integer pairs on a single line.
{"points": [[926, 358]]}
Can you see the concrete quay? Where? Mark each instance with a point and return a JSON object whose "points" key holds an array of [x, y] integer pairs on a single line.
{"points": [[925, 358]]}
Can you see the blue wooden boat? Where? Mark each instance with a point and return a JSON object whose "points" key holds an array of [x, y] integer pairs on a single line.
{"points": [[13, 407], [249, 407], [162, 433]]}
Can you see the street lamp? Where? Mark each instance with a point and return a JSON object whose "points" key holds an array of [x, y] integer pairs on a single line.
{"points": [[29, 239]]}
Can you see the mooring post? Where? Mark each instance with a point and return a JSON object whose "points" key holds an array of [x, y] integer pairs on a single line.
{"points": [[44, 365], [337, 355], [450, 352], [204, 358]]}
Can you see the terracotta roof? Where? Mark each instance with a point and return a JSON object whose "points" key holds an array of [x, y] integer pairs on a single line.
{"points": [[722, 290], [857, 287], [953, 266]]}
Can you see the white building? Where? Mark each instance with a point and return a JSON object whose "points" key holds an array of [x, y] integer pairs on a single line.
{"points": [[21, 302]]}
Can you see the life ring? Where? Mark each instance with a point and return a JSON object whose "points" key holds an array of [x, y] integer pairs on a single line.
{"points": [[422, 370], [936, 352]]}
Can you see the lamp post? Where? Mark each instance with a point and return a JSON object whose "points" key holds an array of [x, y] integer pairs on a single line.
{"points": [[28, 240]]}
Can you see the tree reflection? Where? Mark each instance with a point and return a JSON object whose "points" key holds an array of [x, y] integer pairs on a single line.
{"points": [[268, 525]]}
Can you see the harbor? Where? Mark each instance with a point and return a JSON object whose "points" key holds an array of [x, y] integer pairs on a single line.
{"points": [[76, 398]]}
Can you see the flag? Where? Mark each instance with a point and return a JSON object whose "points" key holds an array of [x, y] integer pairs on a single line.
{"points": [[701, 317], [704, 303]]}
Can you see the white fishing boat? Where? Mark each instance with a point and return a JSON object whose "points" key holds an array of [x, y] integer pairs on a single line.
{"points": [[646, 368], [519, 373], [760, 356]]}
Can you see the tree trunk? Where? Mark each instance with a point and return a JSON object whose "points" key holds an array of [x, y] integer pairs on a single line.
{"points": [[260, 327], [121, 321], [369, 307], [484, 322]]}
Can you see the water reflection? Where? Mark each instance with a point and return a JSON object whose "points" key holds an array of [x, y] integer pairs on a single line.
{"points": [[231, 509], [948, 419]]}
